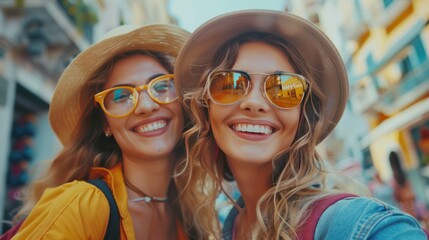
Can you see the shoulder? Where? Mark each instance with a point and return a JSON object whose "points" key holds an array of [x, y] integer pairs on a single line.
{"points": [[73, 206], [76, 193], [77, 186], [367, 218]]}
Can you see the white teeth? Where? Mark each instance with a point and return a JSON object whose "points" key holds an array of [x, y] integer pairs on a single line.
{"points": [[152, 126], [240, 127], [256, 128]]}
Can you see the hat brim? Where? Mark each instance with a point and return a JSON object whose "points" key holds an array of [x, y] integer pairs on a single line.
{"points": [[326, 66], [65, 111]]}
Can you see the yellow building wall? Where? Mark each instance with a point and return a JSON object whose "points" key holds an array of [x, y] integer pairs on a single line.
{"points": [[383, 39], [380, 150], [395, 141], [380, 39]]}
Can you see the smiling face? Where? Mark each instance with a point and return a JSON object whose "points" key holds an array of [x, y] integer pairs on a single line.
{"points": [[253, 130], [152, 130]]}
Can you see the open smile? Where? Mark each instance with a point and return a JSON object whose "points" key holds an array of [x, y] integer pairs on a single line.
{"points": [[252, 128], [152, 126]]}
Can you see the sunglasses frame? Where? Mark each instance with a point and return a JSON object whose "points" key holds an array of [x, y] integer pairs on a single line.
{"points": [[99, 97], [247, 75]]}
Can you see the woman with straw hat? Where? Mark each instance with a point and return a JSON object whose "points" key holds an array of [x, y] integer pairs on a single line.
{"points": [[264, 88], [115, 111]]}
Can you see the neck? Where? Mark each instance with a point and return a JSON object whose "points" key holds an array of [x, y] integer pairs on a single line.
{"points": [[253, 181], [152, 177]]}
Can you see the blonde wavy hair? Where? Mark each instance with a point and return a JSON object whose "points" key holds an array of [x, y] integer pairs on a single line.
{"points": [[284, 207], [88, 147]]}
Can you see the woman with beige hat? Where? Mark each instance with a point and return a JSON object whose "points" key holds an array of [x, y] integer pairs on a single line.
{"points": [[264, 88], [115, 111]]}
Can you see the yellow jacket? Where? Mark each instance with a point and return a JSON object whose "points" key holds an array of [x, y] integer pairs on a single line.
{"points": [[79, 210]]}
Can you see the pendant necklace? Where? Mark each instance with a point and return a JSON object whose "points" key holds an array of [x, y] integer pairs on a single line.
{"points": [[145, 197]]}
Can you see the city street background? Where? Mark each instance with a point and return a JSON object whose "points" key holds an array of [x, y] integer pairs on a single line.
{"points": [[384, 45]]}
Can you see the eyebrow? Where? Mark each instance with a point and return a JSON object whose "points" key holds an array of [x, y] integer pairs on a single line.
{"points": [[149, 80], [271, 72]]}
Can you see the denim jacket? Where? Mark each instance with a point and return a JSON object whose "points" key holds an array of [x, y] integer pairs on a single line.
{"points": [[355, 218]]}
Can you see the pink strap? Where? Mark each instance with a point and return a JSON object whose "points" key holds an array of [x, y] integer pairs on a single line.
{"points": [[308, 229], [11, 232]]}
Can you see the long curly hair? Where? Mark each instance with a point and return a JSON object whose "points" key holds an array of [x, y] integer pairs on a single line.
{"points": [[296, 170], [88, 147]]}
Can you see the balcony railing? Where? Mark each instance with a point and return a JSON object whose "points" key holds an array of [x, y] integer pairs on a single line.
{"points": [[412, 86]]}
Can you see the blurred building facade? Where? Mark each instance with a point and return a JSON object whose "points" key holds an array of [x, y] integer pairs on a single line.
{"points": [[342, 147], [38, 39], [389, 76], [385, 46]]}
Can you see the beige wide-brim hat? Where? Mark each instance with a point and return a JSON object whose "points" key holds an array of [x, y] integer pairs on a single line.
{"points": [[326, 66], [65, 111]]}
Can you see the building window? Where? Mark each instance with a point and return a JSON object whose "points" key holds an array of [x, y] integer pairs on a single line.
{"points": [[370, 62], [420, 50], [358, 10], [416, 57], [387, 3], [406, 65], [367, 163]]}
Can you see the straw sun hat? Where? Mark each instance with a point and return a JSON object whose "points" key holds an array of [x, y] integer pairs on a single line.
{"points": [[326, 66], [65, 111]]}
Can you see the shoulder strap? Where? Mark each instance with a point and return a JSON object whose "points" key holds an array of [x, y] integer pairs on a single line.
{"points": [[308, 229], [112, 231], [12, 231], [228, 225]]}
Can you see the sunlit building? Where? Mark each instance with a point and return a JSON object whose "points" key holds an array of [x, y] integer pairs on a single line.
{"points": [[385, 46], [38, 38], [341, 148], [389, 76]]}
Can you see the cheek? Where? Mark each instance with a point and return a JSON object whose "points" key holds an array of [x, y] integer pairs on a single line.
{"points": [[214, 116], [217, 116], [176, 109], [113, 124], [291, 120], [295, 122]]}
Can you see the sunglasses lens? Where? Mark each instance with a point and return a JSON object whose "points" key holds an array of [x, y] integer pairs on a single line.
{"points": [[227, 87], [119, 101], [163, 90], [285, 91]]}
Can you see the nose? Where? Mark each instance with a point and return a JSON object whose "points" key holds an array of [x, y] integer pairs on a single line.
{"points": [[254, 101], [145, 104]]}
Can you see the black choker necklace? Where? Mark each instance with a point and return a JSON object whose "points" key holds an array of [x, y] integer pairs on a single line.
{"points": [[145, 198]]}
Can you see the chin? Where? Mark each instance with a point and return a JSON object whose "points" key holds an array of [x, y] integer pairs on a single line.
{"points": [[256, 158]]}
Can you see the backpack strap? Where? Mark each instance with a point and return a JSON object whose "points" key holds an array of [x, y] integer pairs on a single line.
{"points": [[228, 224], [12, 231], [112, 231], [308, 229]]}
